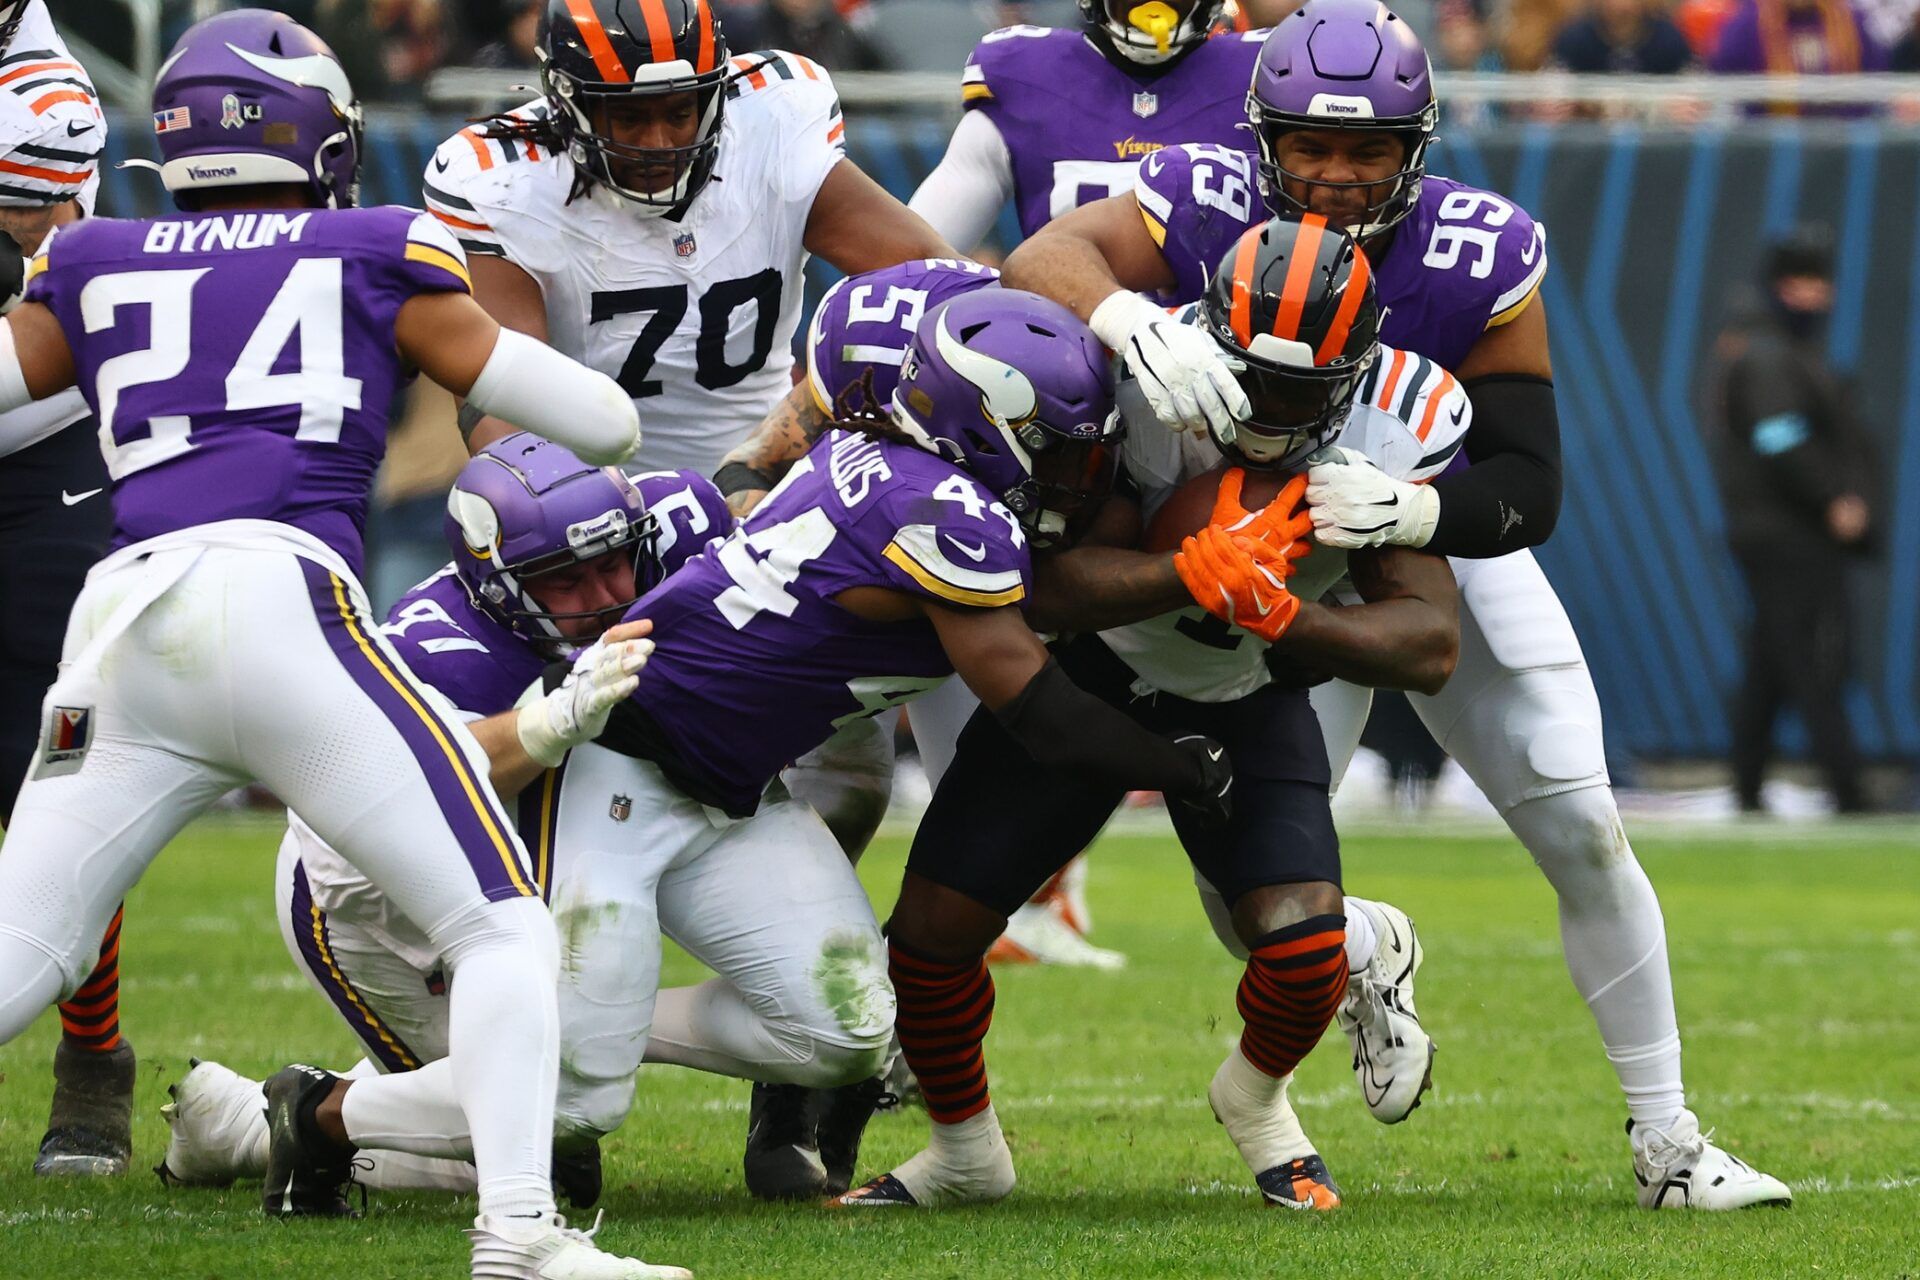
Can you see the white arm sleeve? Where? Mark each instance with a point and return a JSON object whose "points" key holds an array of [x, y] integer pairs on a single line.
{"points": [[529, 384], [965, 193], [13, 379]]}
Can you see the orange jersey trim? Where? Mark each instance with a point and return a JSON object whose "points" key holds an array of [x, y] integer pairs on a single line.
{"points": [[59, 96], [44, 175]]}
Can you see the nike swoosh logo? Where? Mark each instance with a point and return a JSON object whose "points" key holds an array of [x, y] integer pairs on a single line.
{"points": [[1155, 163], [1528, 254], [75, 128], [975, 554], [1214, 753], [1458, 414], [72, 499], [440, 164]]}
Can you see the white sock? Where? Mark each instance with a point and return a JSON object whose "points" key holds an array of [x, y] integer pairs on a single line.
{"points": [[399, 1171], [1253, 1107], [964, 1162], [1615, 941], [503, 1032], [412, 1111], [1362, 939]]}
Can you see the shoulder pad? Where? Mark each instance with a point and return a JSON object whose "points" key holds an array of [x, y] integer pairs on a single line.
{"points": [[954, 543], [461, 172], [1489, 248], [1432, 409], [1197, 199]]}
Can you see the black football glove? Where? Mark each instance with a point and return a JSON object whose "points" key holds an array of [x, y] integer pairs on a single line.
{"points": [[1212, 800]]}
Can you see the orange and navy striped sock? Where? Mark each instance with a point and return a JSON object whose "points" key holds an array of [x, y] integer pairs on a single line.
{"points": [[1294, 982], [90, 1022], [945, 1010]]}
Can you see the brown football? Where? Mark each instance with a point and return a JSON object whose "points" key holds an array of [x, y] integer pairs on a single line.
{"points": [[1188, 510]]}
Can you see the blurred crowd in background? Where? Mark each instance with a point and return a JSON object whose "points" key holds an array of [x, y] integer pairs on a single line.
{"points": [[392, 47]]}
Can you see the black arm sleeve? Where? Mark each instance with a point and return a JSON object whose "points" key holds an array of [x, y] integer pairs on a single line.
{"points": [[1509, 497], [1063, 726]]}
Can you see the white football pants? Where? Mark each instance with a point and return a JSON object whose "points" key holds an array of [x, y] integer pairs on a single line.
{"points": [[246, 652], [768, 902]]}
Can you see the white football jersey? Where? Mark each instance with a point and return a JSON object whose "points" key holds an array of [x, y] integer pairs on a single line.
{"points": [[51, 135], [694, 316], [1192, 654]]}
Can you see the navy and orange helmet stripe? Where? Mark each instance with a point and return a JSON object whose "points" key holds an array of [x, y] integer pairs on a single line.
{"points": [[1353, 293], [1240, 316], [659, 30], [1300, 267], [599, 46]]}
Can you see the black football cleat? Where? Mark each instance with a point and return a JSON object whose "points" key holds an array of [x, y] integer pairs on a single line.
{"points": [[1300, 1184], [90, 1127], [884, 1192], [576, 1173], [783, 1159], [307, 1175], [840, 1118]]}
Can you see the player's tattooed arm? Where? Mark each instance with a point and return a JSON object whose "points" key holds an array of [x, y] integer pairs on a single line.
{"points": [[755, 465], [1405, 634], [1101, 581]]}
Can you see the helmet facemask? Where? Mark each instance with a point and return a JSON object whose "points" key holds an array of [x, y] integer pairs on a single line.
{"points": [[1380, 215], [1297, 407], [1148, 33], [583, 120]]}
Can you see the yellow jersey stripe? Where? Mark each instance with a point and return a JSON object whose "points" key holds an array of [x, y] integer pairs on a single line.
{"points": [[319, 923], [35, 267], [975, 93], [439, 258], [1512, 313], [946, 590], [484, 811], [543, 859], [1154, 227]]}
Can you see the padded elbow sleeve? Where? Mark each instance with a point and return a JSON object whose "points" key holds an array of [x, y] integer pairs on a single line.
{"points": [[529, 384], [1509, 497]]}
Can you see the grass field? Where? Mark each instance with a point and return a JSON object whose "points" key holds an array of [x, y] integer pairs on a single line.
{"points": [[1795, 957]]}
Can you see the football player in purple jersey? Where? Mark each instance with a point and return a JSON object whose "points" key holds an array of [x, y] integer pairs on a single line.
{"points": [[1056, 117], [242, 356], [1343, 113]]}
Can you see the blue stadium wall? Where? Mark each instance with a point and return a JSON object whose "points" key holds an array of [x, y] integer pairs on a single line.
{"points": [[1654, 235]]}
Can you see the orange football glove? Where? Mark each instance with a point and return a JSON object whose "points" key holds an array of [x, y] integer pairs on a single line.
{"points": [[1283, 524], [1239, 581]]}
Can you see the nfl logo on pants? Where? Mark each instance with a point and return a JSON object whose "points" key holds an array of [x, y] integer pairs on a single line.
{"points": [[621, 809]]}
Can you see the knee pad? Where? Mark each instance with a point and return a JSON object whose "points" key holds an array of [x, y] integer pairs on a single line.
{"points": [[1576, 837], [591, 1108]]}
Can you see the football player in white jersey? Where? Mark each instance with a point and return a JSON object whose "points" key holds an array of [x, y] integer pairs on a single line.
{"points": [[651, 215], [56, 522]]}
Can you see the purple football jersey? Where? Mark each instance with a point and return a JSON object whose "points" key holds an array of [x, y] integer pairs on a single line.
{"points": [[1075, 124], [866, 323], [242, 365], [756, 664], [480, 663], [1462, 262]]}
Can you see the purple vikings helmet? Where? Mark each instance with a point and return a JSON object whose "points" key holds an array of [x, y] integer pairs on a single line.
{"points": [[524, 506], [251, 97], [1017, 392], [1345, 64]]}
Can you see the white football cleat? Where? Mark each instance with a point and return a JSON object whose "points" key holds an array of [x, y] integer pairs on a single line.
{"points": [[1678, 1167], [1392, 1053], [546, 1248], [218, 1123], [1038, 933], [965, 1163]]}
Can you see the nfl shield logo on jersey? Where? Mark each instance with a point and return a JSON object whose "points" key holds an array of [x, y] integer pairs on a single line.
{"points": [[69, 734], [1145, 104], [684, 245], [621, 809]]}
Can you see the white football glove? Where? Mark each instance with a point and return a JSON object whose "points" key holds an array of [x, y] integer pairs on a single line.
{"points": [[1187, 379], [1353, 503], [603, 675]]}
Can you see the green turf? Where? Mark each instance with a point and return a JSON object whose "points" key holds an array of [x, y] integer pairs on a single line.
{"points": [[1795, 960]]}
